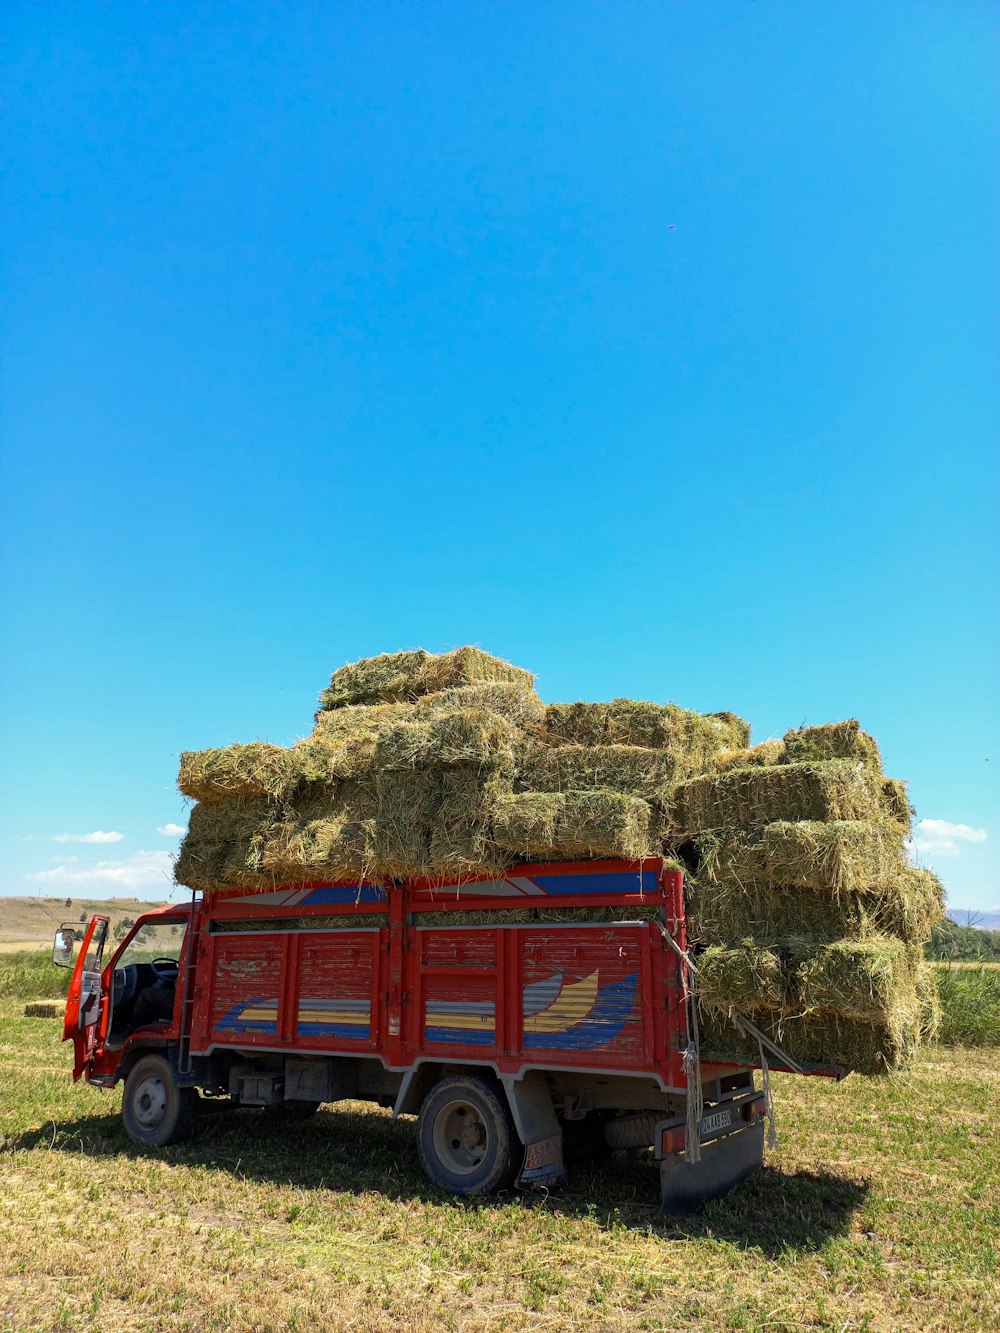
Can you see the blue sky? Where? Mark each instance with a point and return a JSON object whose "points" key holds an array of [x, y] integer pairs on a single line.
{"points": [[651, 346]]}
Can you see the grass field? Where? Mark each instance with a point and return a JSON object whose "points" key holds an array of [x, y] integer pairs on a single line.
{"points": [[970, 1003], [29, 922], [880, 1211]]}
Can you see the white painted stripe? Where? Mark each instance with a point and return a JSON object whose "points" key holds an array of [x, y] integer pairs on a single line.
{"points": [[525, 885]]}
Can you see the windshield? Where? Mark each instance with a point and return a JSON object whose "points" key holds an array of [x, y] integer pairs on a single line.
{"points": [[157, 939]]}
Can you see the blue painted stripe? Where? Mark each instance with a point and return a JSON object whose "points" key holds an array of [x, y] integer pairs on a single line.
{"points": [[460, 1036], [344, 893], [356, 1031], [232, 1022], [610, 1013], [612, 881], [254, 1025]]}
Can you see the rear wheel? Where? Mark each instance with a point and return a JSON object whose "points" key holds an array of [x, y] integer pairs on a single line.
{"points": [[466, 1138], [155, 1110]]}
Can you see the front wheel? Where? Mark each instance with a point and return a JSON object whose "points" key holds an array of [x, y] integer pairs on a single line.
{"points": [[466, 1138], [155, 1110]]}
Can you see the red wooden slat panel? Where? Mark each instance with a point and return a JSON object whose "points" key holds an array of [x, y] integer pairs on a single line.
{"points": [[246, 989], [582, 996], [336, 1004], [457, 946]]}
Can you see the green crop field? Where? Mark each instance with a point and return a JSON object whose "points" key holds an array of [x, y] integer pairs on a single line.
{"points": [[879, 1211]]}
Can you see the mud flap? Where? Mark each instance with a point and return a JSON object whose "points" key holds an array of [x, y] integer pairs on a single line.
{"points": [[538, 1129], [725, 1163]]}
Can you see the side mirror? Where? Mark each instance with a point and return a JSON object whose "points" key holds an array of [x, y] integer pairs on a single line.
{"points": [[62, 947]]}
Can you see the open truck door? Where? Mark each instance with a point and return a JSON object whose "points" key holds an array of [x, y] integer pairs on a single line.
{"points": [[83, 1001]]}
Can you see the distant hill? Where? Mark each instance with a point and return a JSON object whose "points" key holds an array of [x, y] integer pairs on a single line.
{"points": [[981, 920], [30, 922]]}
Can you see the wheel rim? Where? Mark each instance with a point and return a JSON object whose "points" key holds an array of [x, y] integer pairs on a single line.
{"points": [[461, 1138], [149, 1104]]}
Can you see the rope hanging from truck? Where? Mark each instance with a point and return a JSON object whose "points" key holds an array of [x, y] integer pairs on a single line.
{"points": [[692, 1059]]}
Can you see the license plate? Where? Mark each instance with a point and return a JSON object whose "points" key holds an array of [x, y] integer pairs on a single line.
{"points": [[718, 1120]]}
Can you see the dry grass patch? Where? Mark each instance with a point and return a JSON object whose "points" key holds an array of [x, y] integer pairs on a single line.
{"points": [[878, 1212]]}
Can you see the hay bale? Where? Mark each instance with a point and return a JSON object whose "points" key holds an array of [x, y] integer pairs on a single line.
{"points": [[631, 769], [257, 769], [463, 850], [896, 802], [563, 826], [865, 1046], [753, 797], [860, 1004], [394, 677], [867, 979], [516, 700], [462, 842], [335, 848], [526, 822], [724, 912], [747, 976], [833, 740], [925, 899], [840, 855], [738, 727], [45, 1009], [766, 753], [470, 736], [693, 737], [343, 741], [223, 847], [407, 805], [603, 824]]}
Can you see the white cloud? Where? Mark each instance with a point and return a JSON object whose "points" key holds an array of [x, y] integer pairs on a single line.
{"points": [[96, 836], [141, 870], [939, 837], [171, 830]]}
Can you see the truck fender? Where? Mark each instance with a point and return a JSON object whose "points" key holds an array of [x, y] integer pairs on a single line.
{"points": [[416, 1084]]}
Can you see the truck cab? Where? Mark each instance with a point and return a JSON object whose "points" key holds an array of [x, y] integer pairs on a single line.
{"points": [[130, 996]]}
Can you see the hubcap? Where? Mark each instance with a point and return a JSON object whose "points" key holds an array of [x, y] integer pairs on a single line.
{"points": [[461, 1138], [149, 1104]]}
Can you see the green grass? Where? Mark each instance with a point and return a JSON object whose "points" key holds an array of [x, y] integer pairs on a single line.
{"points": [[30, 974], [970, 1005], [880, 1211]]}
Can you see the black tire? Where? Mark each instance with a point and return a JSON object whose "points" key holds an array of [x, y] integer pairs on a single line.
{"points": [[632, 1131], [155, 1110], [584, 1139], [466, 1138]]}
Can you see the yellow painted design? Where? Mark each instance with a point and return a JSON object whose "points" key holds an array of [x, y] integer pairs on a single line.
{"points": [[258, 1013], [474, 1022], [334, 1016], [573, 1003]]}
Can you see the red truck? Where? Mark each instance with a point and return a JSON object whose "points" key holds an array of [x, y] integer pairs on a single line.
{"points": [[552, 1027]]}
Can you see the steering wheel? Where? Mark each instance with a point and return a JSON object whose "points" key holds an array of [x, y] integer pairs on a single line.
{"points": [[165, 969]]}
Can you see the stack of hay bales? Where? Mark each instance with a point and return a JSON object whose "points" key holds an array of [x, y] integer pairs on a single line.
{"points": [[808, 918], [408, 754], [439, 767], [802, 909]]}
